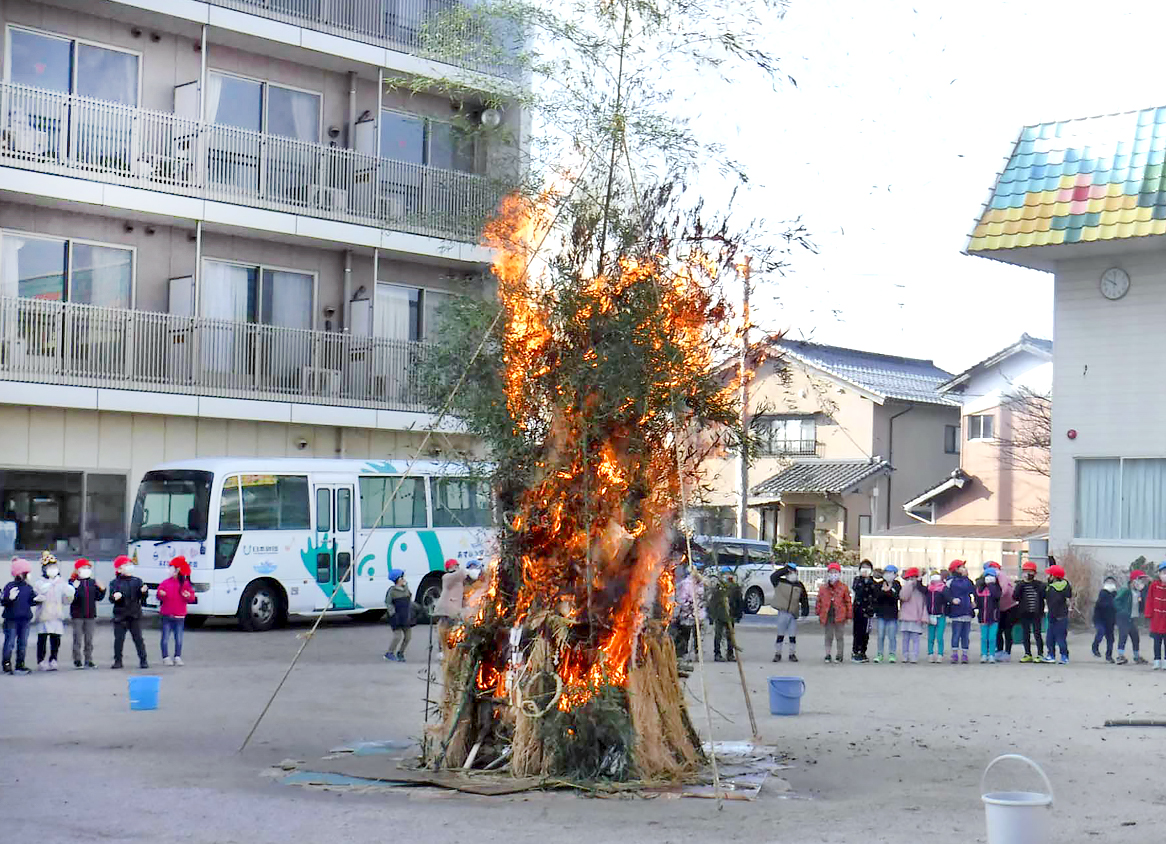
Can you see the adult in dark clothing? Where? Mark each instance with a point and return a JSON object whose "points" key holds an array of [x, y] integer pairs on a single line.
{"points": [[86, 595], [127, 593], [1104, 617], [865, 590], [725, 607], [1030, 607]]}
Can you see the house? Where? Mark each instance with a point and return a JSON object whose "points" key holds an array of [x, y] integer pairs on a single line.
{"points": [[222, 231], [997, 499], [1086, 201], [846, 437]]}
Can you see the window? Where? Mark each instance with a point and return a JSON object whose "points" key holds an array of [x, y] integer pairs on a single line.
{"points": [[408, 313], [714, 521], [1121, 498], [171, 505], [323, 510], [275, 502], [262, 107], [265, 295], [786, 435], [343, 510], [229, 507], [58, 270], [951, 439], [461, 502], [64, 512], [981, 427], [406, 510], [418, 140], [68, 66]]}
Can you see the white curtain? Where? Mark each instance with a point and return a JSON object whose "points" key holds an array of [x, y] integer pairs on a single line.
{"points": [[1143, 487], [305, 109], [101, 276], [214, 91], [393, 311], [1098, 498], [290, 295], [10, 264], [223, 290]]}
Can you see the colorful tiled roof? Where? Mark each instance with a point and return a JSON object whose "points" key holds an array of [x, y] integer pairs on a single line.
{"points": [[820, 476], [1076, 181]]}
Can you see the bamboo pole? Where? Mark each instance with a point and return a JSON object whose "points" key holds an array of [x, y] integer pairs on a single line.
{"points": [[741, 671]]}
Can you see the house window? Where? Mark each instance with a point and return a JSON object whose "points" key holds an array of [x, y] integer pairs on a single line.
{"points": [[780, 436], [951, 439], [257, 294], [260, 106], [981, 427], [60, 270], [1121, 498], [418, 140], [713, 521], [73, 513], [408, 313]]}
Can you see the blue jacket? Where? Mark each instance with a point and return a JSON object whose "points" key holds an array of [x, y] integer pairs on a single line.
{"points": [[988, 603], [963, 590], [19, 609], [1105, 610]]}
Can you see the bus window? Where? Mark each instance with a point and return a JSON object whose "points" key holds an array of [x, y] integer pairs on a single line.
{"points": [[229, 506], [171, 505], [343, 510], [461, 502], [406, 510], [225, 548], [275, 502], [323, 510]]}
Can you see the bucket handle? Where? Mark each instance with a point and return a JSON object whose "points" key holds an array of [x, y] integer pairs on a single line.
{"points": [[800, 680], [1018, 758]]}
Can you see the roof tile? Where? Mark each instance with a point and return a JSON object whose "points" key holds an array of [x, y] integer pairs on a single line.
{"points": [[889, 376], [820, 476]]}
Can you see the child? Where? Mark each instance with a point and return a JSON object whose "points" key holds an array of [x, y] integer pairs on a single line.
{"points": [[174, 594], [17, 600], [127, 593], [689, 603], [887, 611], [1104, 617], [1009, 613], [1030, 605], [399, 602], [726, 607], [988, 593], [936, 617], [865, 590], [1128, 606], [791, 602], [834, 609], [1156, 612], [961, 609], [912, 614], [53, 595], [1058, 594], [86, 593]]}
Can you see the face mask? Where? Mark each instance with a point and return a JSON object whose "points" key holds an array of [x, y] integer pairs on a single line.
{"points": [[791, 577], [1162, 576], [1030, 575], [126, 571], [833, 577], [864, 572], [1110, 587], [935, 578], [472, 574], [989, 578], [52, 571], [1136, 585], [84, 574]]}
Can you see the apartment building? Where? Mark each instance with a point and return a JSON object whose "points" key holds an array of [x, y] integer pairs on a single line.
{"points": [[226, 228]]}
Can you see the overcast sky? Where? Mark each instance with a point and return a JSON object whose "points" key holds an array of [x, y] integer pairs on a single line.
{"points": [[902, 115]]}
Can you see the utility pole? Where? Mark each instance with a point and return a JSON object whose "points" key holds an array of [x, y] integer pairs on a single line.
{"points": [[742, 458]]}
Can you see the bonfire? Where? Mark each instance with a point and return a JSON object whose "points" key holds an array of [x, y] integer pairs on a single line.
{"points": [[563, 666]]}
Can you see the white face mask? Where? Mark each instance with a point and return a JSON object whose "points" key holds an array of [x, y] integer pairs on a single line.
{"points": [[126, 570], [1162, 576], [52, 571], [864, 572], [989, 578], [85, 573], [1110, 587], [833, 577], [791, 577], [473, 574], [935, 578], [889, 576]]}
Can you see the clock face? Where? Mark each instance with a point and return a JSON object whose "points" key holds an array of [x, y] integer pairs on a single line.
{"points": [[1115, 283]]}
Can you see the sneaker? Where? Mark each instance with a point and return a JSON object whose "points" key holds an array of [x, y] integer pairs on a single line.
{"points": [[177, 661], [777, 657], [878, 658], [1026, 658], [115, 666], [955, 658], [891, 658], [43, 665], [91, 665], [1096, 653], [7, 668], [716, 658], [1157, 665], [143, 664], [167, 660], [838, 660], [1049, 660], [793, 657], [1138, 660], [52, 665], [77, 663], [400, 657], [1109, 659], [1064, 660], [829, 658], [964, 658], [22, 669], [390, 657], [858, 659], [1121, 660]]}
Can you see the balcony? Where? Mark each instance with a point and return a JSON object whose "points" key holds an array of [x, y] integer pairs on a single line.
{"points": [[49, 342], [76, 136], [791, 448], [417, 27]]}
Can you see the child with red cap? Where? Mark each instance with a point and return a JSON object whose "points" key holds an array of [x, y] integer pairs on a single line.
{"points": [[913, 616], [988, 594], [961, 609], [174, 593], [1030, 607], [1058, 595], [834, 609], [87, 592], [127, 593]]}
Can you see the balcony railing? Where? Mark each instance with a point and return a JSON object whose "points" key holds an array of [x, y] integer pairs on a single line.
{"points": [[432, 29], [791, 448], [107, 142], [51, 342]]}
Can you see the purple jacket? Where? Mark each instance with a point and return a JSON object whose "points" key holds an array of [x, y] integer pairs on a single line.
{"points": [[961, 597], [937, 601], [988, 603]]}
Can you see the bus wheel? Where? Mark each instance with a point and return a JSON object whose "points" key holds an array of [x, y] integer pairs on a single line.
{"points": [[427, 594], [753, 599], [193, 622], [260, 607]]}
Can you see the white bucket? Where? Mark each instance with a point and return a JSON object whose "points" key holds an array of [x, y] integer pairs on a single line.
{"points": [[1017, 817]]}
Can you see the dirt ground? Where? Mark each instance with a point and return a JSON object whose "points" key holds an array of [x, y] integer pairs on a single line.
{"points": [[880, 752]]}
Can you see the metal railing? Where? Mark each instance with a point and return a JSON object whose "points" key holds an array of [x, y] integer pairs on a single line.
{"points": [[791, 448], [448, 31], [51, 342], [109, 142]]}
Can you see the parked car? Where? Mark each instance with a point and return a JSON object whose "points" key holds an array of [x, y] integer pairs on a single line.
{"points": [[752, 559]]}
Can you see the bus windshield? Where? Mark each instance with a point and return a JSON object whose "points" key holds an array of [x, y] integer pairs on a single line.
{"points": [[172, 505]]}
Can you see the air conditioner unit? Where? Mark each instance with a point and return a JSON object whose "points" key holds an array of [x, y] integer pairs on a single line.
{"points": [[319, 382], [332, 199]]}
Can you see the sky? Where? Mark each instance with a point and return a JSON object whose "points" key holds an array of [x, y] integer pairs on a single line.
{"points": [[903, 113]]}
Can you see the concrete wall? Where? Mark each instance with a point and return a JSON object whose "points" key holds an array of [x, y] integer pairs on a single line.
{"points": [[936, 553], [1109, 359], [913, 443]]}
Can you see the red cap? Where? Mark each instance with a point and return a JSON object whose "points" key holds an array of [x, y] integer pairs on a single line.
{"points": [[911, 572], [1136, 573], [451, 565], [992, 564], [121, 560], [182, 566], [1029, 565], [955, 564], [81, 563], [834, 567], [1055, 571]]}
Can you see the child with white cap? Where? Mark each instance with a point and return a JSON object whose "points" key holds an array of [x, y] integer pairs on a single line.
{"points": [[53, 596]]}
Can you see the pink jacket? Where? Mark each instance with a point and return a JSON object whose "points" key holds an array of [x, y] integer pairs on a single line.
{"points": [[1007, 602], [912, 606], [173, 597]]}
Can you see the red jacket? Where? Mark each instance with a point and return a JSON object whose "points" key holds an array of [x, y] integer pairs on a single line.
{"points": [[1156, 607], [838, 596], [173, 597]]}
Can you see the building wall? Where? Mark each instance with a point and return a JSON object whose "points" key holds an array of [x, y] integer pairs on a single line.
{"points": [[913, 443], [1109, 360], [937, 552]]}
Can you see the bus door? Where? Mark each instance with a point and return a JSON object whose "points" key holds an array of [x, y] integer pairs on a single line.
{"points": [[334, 546]]}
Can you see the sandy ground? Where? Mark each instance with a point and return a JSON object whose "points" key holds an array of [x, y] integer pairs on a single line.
{"points": [[880, 752]]}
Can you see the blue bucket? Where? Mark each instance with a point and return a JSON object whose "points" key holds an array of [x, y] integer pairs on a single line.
{"points": [[144, 692], [785, 695]]}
